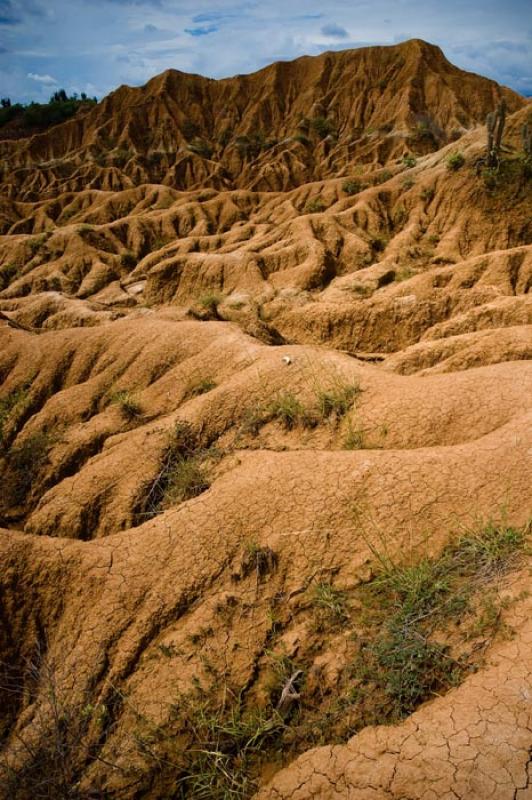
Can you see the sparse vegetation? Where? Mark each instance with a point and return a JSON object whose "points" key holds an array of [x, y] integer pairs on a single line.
{"points": [[330, 605], [128, 260], [201, 386], [378, 244], [409, 161], [25, 461], [288, 409], [225, 746], [182, 473], [201, 147], [354, 438], [129, 406], [7, 273], [9, 405], [382, 177], [323, 127], [455, 161], [403, 659], [427, 194], [336, 401], [315, 206], [352, 187]]}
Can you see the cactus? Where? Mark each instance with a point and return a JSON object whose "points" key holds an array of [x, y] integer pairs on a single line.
{"points": [[491, 119], [526, 137], [495, 122]]}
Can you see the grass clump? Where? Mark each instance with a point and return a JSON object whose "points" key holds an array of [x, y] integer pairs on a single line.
{"points": [[403, 658], [409, 161], [337, 401], [354, 439], [223, 755], [455, 161], [201, 387], [330, 605], [289, 411], [129, 407], [209, 303], [182, 474]]}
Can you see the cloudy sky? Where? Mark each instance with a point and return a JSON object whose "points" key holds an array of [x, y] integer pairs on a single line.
{"points": [[96, 45]]}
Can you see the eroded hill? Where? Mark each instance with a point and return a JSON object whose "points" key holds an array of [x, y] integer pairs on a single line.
{"points": [[265, 439]]}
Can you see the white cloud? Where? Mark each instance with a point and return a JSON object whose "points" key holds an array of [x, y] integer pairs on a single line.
{"points": [[47, 80]]}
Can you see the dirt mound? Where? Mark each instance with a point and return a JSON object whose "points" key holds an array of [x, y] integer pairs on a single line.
{"points": [[265, 439]]}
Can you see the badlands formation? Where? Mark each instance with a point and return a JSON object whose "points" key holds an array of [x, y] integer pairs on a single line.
{"points": [[265, 439]]}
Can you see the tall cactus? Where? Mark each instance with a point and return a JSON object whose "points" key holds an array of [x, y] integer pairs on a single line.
{"points": [[526, 137], [495, 122], [491, 119]]}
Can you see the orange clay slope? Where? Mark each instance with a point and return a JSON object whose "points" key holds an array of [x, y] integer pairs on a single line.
{"points": [[265, 440]]}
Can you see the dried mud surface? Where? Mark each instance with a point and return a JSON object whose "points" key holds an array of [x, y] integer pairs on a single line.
{"points": [[148, 292]]}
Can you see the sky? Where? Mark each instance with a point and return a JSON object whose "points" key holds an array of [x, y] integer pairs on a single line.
{"points": [[93, 46]]}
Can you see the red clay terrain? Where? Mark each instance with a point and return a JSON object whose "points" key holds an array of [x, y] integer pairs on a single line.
{"points": [[265, 439]]}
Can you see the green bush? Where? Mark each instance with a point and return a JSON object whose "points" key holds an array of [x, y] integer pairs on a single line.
{"points": [[315, 206], [351, 187], [455, 161], [409, 161], [323, 127]]}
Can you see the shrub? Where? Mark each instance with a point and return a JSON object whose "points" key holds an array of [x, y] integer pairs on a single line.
{"points": [[427, 194], [455, 161], [189, 129], [201, 148], [7, 273], [409, 161], [128, 260], [378, 243], [209, 302], [323, 127], [382, 177], [120, 157], [351, 187], [315, 206]]}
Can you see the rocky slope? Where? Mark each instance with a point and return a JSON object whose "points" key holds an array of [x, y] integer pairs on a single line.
{"points": [[262, 359]]}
